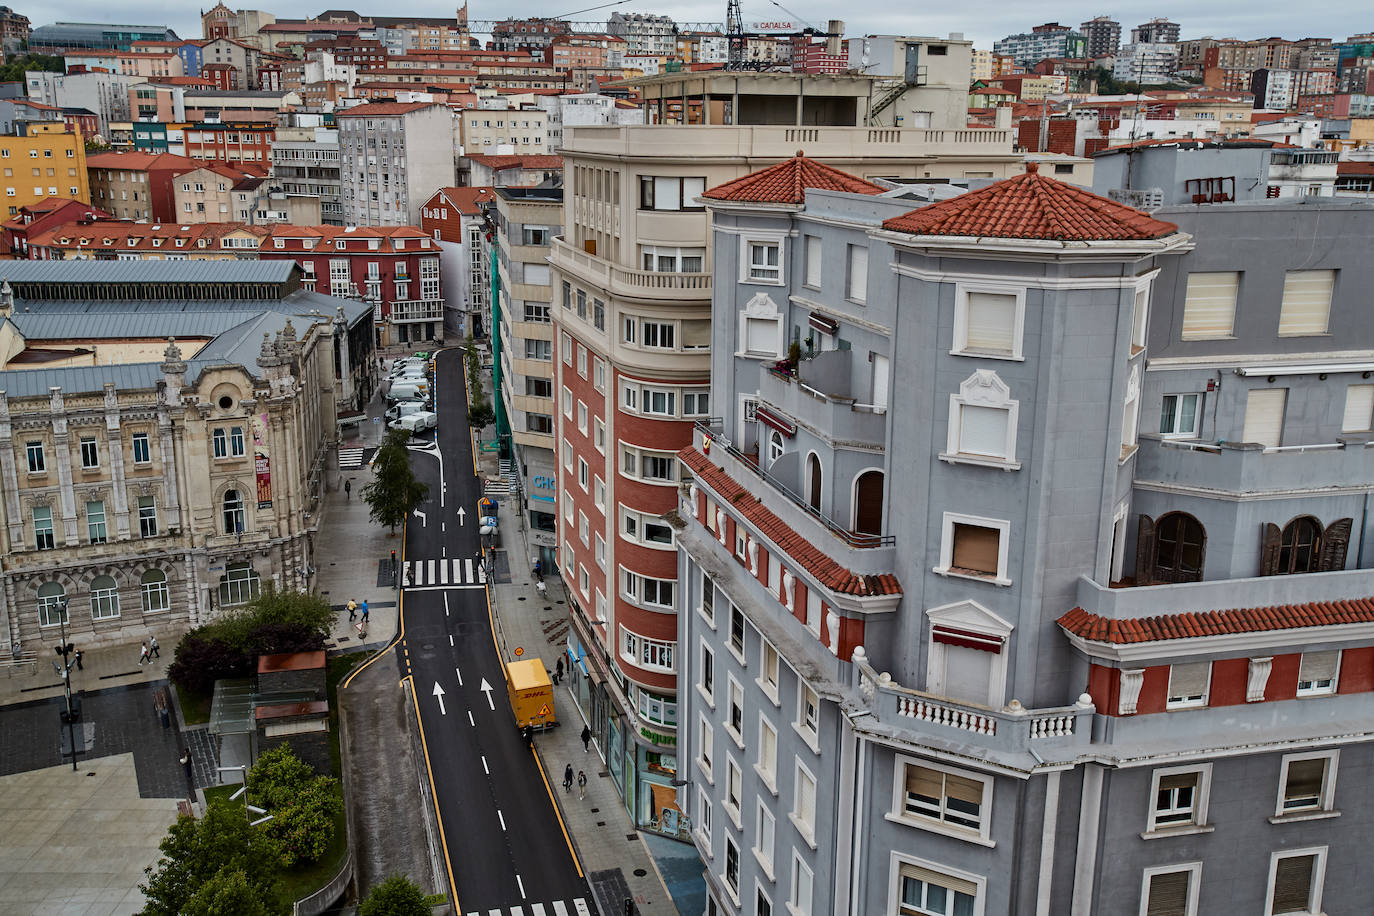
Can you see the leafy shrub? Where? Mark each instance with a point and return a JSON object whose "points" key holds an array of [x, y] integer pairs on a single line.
{"points": [[303, 806]]}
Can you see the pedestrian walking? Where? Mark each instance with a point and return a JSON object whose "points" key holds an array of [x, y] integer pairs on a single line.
{"points": [[352, 609], [77, 658], [152, 648], [581, 784], [186, 764], [542, 588], [143, 653], [629, 906], [567, 778], [586, 739], [558, 671], [366, 611], [348, 491]]}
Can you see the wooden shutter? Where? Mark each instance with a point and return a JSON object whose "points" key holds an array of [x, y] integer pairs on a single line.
{"points": [[1264, 416], [1271, 539], [968, 791], [1359, 408], [1144, 550], [1335, 540], [975, 548], [925, 784], [1306, 307], [1209, 311], [1168, 894], [1293, 884], [990, 323]]}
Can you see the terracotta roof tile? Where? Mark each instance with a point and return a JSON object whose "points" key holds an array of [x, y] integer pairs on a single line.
{"points": [[1032, 206], [786, 183], [1195, 624], [468, 200], [533, 161], [381, 109], [810, 557]]}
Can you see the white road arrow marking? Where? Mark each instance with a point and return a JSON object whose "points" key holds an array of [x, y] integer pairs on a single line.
{"points": [[421, 516], [462, 514], [486, 688], [439, 695]]}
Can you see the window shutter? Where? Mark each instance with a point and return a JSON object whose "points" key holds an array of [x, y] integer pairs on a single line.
{"points": [[1335, 539], [1271, 539], [1178, 781], [1144, 550], [1264, 416], [858, 272], [1359, 408], [924, 783], [1306, 307], [957, 885], [975, 548], [983, 431], [761, 335], [1209, 311], [1168, 894], [990, 320], [1188, 680], [1318, 666], [969, 791], [696, 333], [1305, 778], [813, 261], [1293, 884]]}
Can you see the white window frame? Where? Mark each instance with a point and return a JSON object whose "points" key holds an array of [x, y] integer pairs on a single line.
{"points": [[1178, 397], [706, 741], [632, 525], [856, 279], [898, 814], [810, 732], [632, 590], [769, 687], [768, 774], [961, 296], [730, 846], [765, 838], [814, 269], [734, 785], [706, 607], [894, 886], [795, 905], [734, 699], [1003, 528], [1194, 870], [1202, 793], [746, 257], [703, 819], [1314, 893], [1188, 703], [1319, 689], [1140, 314], [706, 660], [1325, 806], [982, 389], [761, 308], [801, 777]]}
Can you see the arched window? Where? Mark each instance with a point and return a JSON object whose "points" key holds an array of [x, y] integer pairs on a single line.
{"points": [[1180, 542], [868, 503], [52, 604], [776, 447], [239, 584], [233, 512], [154, 587], [1300, 545], [104, 598], [813, 481]]}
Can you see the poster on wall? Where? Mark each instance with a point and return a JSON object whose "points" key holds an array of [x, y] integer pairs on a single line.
{"points": [[262, 462]]}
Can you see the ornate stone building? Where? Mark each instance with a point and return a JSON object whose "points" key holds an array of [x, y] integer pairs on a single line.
{"points": [[147, 495]]}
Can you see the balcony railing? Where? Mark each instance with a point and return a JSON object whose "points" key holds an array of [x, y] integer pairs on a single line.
{"points": [[713, 429], [1012, 728], [1239, 467], [417, 309], [846, 419], [624, 281]]}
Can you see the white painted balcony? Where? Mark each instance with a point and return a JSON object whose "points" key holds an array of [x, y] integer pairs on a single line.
{"points": [[417, 310], [627, 282]]}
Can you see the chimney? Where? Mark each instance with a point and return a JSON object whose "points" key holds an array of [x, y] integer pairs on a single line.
{"points": [[834, 45]]}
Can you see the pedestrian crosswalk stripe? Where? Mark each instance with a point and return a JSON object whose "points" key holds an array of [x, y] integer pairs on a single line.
{"points": [[517, 911], [577, 906], [430, 569], [559, 909], [537, 910], [467, 569], [443, 572], [350, 458], [581, 906]]}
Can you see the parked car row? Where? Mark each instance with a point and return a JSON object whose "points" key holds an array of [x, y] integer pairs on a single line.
{"points": [[410, 395]]}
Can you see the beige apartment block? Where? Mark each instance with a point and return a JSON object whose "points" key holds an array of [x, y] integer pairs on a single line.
{"points": [[525, 130]]}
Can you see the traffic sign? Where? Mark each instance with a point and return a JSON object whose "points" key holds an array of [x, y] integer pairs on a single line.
{"points": [[544, 711], [519, 651]]}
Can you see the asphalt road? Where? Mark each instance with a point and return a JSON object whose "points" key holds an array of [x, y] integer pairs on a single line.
{"points": [[504, 843]]}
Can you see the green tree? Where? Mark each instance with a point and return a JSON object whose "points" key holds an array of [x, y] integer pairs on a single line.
{"points": [[480, 413], [13, 70], [213, 856], [396, 896], [394, 492], [303, 805]]}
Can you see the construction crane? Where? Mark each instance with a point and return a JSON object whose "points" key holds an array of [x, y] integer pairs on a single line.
{"points": [[738, 39]]}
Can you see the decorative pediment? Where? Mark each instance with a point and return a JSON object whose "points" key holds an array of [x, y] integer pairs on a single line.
{"points": [[761, 306], [985, 388], [970, 615]]}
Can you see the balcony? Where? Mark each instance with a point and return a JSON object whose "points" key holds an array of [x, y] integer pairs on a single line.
{"points": [[417, 310], [1247, 468], [627, 283], [1012, 730], [818, 397], [1223, 594]]}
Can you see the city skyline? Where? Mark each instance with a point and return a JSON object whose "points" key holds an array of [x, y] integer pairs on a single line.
{"points": [[981, 21]]}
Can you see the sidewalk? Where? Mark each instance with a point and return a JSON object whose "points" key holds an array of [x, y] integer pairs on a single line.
{"points": [[608, 844]]}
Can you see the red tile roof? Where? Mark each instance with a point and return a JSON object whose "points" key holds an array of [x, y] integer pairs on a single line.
{"points": [[786, 183], [381, 109], [466, 200], [1032, 206], [1088, 625], [810, 557], [535, 161], [1354, 167]]}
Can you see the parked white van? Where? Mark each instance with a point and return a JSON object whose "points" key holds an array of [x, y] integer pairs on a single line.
{"points": [[402, 390], [416, 422]]}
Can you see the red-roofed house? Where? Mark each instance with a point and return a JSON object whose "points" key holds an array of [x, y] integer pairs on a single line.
{"points": [[518, 171], [459, 221], [37, 218]]}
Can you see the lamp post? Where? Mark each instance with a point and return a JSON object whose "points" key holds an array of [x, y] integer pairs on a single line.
{"points": [[65, 650]]}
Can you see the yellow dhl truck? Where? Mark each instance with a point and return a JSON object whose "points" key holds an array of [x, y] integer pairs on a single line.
{"points": [[531, 693]]}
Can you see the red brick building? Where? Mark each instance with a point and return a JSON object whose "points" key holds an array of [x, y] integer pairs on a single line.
{"points": [[394, 267], [247, 137], [37, 218]]}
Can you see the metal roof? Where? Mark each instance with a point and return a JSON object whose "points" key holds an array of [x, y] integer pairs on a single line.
{"points": [[204, 271], [91, 324], [26, 383]]}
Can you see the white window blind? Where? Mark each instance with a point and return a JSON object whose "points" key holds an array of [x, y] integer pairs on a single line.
{"points": [[1209, 310], [1306, 306], [1188, 683], [692, 188], [1317, 671], [1359, 408], [761, 335], [990, 323], [926, 876], [696, 333], [858, 272], [813, 261], [1168, 894], [983, 431], [1264, 416]]}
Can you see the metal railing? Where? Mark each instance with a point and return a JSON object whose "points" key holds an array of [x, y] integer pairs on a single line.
{"points": [[712, 428]]}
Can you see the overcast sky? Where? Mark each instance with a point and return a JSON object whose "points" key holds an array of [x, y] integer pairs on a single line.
{"points": [[981, 20]]}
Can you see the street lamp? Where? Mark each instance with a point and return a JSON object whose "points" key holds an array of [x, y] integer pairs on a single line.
{"points": [[66, 650]]}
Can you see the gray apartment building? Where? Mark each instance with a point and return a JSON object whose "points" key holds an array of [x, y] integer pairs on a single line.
{"points": [[392, 157], [1023, 563], [305, 160]]}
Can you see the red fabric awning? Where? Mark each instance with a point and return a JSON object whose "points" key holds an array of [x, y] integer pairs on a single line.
{"points": [[780, 423], [968, 639]]}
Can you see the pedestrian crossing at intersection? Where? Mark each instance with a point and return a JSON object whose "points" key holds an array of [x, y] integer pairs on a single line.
{"points": [[449, 571], [576, 907], [351, 458]]}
